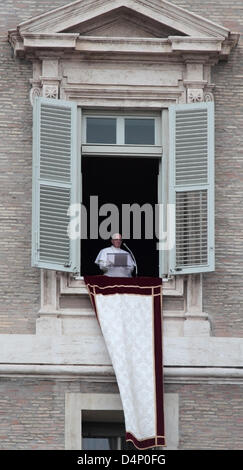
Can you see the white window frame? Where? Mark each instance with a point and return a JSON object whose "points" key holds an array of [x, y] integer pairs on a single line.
{"points": [[120, 148]]}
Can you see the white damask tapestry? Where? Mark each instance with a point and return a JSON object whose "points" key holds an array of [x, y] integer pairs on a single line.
{"points": [[129, 311]]}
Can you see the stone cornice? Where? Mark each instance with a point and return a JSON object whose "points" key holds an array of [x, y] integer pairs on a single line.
{"points": [[192, 32], [189, 375], [27, 42]]}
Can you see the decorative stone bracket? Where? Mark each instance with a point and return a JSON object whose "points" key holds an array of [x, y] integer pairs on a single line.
{"points": [[197, 79], [198, 95], [46, 81]]}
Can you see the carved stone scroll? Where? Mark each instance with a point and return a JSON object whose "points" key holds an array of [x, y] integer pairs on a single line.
{"points": [[35, 91]]}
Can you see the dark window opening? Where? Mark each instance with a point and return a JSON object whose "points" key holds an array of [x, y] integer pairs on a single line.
{"points": [[104, 430], [121, 181]]}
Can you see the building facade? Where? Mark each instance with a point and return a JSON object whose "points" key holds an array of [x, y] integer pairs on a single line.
{"points": [[120, 60]]}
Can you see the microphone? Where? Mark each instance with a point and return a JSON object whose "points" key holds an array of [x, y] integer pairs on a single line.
{"points": [[133, 257]]}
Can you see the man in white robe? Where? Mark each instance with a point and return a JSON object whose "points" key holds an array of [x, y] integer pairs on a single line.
{"points": [[106, 264]]}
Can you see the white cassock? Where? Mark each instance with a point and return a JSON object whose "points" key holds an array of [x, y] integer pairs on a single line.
{"points": [[109, 269]]}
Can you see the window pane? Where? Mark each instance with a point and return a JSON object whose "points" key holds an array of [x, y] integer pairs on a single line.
{"points": [[102, 435], [101, 130], [139, 131], [96, 443]]}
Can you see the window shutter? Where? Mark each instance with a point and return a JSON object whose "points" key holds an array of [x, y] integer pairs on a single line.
{"points": [[56, 180], [191, 187]]}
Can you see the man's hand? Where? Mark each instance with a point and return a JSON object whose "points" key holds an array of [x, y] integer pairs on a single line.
{"points": [[109, 263]]}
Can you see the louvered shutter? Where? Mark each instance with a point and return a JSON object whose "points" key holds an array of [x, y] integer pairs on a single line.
{"points": [[191, 187], [56, 180]]}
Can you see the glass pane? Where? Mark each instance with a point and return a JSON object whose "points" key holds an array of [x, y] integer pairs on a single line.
{"points": [[96, 443], [139, 131], [100, 443], [101, 130], [102, 435]]}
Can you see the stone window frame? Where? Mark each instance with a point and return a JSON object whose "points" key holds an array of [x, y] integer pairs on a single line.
{"points": [[187, 287], [76, 402], [73, 284]]}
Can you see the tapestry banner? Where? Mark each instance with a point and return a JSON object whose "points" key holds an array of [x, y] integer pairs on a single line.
{"points": [[129, 311]]}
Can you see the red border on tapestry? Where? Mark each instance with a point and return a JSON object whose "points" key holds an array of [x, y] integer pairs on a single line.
{"points": [[107, 285]]}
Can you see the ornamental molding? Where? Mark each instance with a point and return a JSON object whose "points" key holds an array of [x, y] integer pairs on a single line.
{"points": [[35, 91], [104, 374], [71, 285], [50, 91], [208, 96], [161, 11], [69, 28], [150, 97], [30, 42], [195, 95], [198, 95], [46, 87], [74, 42]]}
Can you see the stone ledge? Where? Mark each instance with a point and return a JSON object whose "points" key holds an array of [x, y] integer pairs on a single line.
{"points": [[62, 350], [172, 375]]}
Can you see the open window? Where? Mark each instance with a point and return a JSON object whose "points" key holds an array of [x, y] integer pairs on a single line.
{"points": [[104, 430], [120, 165], [122, 153]]}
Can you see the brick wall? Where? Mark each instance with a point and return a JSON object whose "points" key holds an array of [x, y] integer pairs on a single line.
{"points": [[19, 283], [33, 413], [210, 416]]}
